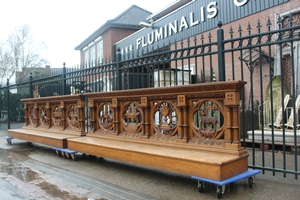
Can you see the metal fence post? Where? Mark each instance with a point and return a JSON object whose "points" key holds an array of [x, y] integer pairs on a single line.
{"points": [[119, 77], [8, 104], [64, 82], [221, 60], [30, 85]]}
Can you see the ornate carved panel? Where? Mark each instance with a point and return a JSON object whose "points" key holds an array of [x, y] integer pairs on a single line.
{"points": [[33, 116], [57, 117], [165, 118], [208, 115], [105, 118], [44, 116], [73, 117], [132, 117]]}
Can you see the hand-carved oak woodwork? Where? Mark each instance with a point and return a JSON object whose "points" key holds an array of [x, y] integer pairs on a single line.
{"points": [[73, 116], [57, 116], [132, 118], [44, 117], [165, 118], [33, 116], [208, 127], [105, 118], [207, 120], [188, 129]]}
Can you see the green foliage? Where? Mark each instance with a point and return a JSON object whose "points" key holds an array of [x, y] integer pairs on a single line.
{"points": [[37, 74], [14, 103]]}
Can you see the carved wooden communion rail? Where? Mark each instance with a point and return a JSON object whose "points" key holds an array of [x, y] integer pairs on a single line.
{"points": [[52, 120], [162, 128]]}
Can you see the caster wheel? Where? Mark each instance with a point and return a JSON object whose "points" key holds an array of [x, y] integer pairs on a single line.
{"points": [[250, 182], [219, 192], [200, 186], [74, 156], [63, 154], [230, 187], [67, 155], [8, 142]]}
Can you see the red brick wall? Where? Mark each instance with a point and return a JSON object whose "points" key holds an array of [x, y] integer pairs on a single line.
{"points": [[112, 36]]}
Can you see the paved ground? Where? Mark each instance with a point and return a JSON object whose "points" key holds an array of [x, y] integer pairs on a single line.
{"points": [[32, 171]]}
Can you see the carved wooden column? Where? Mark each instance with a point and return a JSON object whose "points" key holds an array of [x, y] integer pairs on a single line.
{"points": [[228, 137], [182, 118], [48, 115], [231, 103], [81, 115], [63, 115], [185, 123], [145, 118], [115, 105], [26, 117], [236, 123], [92, 115], [36, 115]]}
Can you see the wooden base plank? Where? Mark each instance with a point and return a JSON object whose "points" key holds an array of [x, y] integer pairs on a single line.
{"points": [[212, 165], [41, 137]]}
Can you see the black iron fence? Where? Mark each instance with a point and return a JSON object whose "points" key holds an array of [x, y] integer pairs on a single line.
{"points": [[264, 56]]}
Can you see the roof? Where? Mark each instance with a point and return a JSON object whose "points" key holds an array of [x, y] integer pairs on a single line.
{"points": [[130, 18], [173, 6]]}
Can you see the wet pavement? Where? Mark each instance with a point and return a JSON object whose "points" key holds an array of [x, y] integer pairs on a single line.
{"points": [[33, 171]]}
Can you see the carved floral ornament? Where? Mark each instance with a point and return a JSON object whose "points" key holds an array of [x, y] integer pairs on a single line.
{"points": [[206, 119]]}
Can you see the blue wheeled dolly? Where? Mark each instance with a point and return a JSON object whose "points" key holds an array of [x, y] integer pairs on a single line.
{"points": [[8, 139], [66, 153], [250, 173]]}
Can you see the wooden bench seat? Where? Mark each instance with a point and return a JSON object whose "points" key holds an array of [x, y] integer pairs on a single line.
{"points": [[41, 136], [174, 158]]}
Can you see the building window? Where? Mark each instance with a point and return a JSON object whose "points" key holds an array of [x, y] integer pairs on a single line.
{"points": [[93, 55], [87, 57], [100, 52]]}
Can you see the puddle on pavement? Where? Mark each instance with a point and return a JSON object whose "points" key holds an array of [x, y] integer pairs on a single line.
{"points": [[10, 165]]}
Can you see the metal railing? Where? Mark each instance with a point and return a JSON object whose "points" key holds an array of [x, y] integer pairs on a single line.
{"points": [[267, 59]]}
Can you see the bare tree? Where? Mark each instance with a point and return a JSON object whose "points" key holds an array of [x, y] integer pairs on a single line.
{"points": [[20, 54]]}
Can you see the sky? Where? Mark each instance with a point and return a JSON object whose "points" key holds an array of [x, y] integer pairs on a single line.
{"points": [[64, 24]]}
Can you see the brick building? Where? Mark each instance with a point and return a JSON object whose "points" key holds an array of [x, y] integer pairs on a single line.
{"points": [[186, 22], [98, 48], [197, 21]]}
